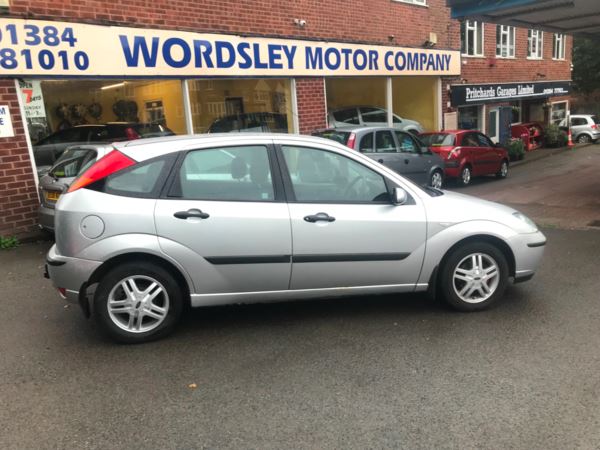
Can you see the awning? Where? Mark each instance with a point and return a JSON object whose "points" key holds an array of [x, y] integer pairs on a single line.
{"points": [[576, 17]]}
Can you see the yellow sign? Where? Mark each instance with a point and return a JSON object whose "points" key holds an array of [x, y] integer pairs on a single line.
{"points": [[46, 49]]}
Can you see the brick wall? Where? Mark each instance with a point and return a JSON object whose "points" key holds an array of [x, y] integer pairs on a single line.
{"points": [[18, 197], [311, 104]]}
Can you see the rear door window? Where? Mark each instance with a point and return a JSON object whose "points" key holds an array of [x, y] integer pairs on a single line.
{"points": [[484, 141], [366, 143], [226, 174], [470, 140], [578, 121], [407, 143]]}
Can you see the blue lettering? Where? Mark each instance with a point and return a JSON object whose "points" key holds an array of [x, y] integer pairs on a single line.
{"points": [[168, 56], [335, 64], [346, 52], [258, 64], [202, 50], [243, 48], [386, 60], [314, 60], [422, 61], [139, 44], [439, 62], [413, 61], [447, 60], [3, 111], [373, 60], [290, 52], [222, 63], [355, 59], [275, 56], [400, 66], [1, 120], [431, 63]]}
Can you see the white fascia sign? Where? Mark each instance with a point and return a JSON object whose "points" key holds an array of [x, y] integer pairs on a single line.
{"points": [[6, 128]]}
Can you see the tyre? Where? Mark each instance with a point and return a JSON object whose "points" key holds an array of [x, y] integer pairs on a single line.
{"points": [[137, 302], [473, 277], [503, 172], [584, 139], [465, 176], [437, 179]]}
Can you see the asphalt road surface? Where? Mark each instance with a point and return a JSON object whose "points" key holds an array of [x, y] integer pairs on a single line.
{"points": [[369, 372]]}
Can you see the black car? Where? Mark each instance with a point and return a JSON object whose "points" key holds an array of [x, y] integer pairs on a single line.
{"points": [[250, 122], [50, 148]]}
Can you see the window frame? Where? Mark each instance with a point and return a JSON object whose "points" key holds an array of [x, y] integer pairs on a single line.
{"points": [[538, 36], [289, 186], [510, 47], [559, 44], [477, 28], [276, 178]]}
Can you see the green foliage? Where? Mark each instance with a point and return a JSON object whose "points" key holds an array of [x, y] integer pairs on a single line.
{"points": [[7, 242], [554, 136], [586, 65], [516, 149]]}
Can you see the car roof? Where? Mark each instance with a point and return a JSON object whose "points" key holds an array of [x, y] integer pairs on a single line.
{"points": [[353, 128]]}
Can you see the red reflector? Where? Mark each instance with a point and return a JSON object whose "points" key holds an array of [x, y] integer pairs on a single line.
{"points": [[351, 140], [131, 134], [105, 166], [62, 292]]}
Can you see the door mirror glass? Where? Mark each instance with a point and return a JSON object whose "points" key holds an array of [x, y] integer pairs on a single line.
{"points": [[399, 196]]}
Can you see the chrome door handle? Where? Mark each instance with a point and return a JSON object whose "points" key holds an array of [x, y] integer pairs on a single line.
{"points": [[380, 161], [191, 213], [406, 161], [319, 217]]}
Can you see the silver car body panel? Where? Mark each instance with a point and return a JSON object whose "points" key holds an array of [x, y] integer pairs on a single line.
{"points": [[420, 231]]}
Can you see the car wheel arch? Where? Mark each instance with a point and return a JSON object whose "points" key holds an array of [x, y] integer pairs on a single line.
{"points": [[124, 258]]}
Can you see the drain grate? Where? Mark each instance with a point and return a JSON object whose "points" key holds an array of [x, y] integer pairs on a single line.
{"points": [[594, 223]]}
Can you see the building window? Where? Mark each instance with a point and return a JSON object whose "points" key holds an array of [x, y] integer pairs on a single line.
{"points": [[558, 112], [558, 49], [505, 41], [534, 44], [470, 118], [414, 2], [471, 38]]}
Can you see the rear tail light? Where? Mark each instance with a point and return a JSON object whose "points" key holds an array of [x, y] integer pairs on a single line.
{"points": [[131, 134], [105, 166], [351, 141], [594, 127]]}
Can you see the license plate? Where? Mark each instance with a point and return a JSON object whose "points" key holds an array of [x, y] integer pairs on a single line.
{"points": [[52, 196]]}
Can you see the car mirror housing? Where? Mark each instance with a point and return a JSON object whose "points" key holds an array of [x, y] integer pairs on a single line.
{"points": [[399, 196]]}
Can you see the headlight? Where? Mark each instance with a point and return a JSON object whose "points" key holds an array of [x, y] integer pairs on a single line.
{"points": [[526, 220]]}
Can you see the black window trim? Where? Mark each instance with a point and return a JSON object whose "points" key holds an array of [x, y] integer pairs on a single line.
{"points": [[278, 185], [289, 188], [360, 139]]}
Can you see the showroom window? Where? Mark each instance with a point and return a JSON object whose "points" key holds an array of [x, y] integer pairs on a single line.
{"points": [[558, 48], [471, 38], [241, 105], [535, 44], [505, 41], [344, 95], [469, 117], [559, 112]]}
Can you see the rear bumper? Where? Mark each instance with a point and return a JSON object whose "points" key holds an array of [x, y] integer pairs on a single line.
{"points": [[46, 217], [70, 274]]}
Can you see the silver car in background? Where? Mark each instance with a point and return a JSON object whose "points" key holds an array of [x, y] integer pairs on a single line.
{"points": [[159, 225], [370, 116], [68, 166], [585, 128]]}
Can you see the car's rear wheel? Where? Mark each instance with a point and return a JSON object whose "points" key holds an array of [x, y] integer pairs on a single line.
{"points": [[137, 302], [584, 139], [437, 179], [465, 176], [503, 172], [474, 276]]}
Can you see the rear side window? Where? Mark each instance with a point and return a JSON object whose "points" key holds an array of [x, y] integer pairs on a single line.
{"points": [[349, 115], [226, 174], [141, 179], [484, 141], [72, 161]]}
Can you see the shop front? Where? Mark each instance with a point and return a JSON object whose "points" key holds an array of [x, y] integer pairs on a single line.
{"points": [[490, 107]]}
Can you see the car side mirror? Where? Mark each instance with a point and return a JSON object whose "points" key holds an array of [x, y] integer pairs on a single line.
{"points": [[399, 196]]}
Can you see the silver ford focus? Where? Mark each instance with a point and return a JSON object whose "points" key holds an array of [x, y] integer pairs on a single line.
{"points": [[158, 225]]}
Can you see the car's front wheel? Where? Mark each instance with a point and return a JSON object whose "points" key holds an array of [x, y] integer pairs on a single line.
{"points": [[137, 302], [474, 276]]}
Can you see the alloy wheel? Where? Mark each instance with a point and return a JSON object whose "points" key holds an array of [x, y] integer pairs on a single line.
{"points": [[476, 278], [465, 176], [138, 304], [504, 169], [436, 180]]}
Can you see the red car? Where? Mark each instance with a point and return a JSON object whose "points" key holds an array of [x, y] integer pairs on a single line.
{"points": [[467, 154]]}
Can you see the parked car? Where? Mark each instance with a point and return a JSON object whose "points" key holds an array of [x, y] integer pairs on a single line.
{"points": [[399, 150], [47, 151], [158, 225], [370, 116], [585, 128], [468, 154], [251, 122], [67, 167]]}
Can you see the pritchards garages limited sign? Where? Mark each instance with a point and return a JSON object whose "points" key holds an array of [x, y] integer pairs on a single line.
{"points": [[45, 49]]}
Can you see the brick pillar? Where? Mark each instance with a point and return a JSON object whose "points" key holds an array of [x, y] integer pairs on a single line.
{"points": [[312, 109], [18, 196]]}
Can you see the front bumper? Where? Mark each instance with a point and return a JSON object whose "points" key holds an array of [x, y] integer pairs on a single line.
{"points": [[528, 250], [70, 274]]}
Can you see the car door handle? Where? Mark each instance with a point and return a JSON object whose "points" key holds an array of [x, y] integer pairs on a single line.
{"points": [[319, 217], [191, 213], [380, 161], [406, 161]]}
